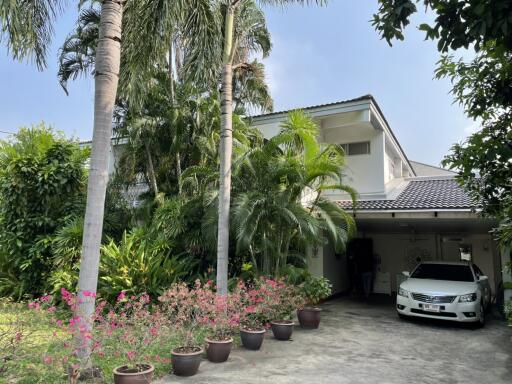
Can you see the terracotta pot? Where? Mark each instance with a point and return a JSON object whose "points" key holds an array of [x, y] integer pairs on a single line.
{"points": [[218, 351], [309, 317], [185, 363], [282, 329], [143, 374], [252, 339]]}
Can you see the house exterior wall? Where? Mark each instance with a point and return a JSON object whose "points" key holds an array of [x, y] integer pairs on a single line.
{"points": [[371, 165], [344, 129], [335, 269], [393, 165]]}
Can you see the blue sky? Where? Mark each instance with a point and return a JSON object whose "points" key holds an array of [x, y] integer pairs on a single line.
{"points": [[320, 55]]}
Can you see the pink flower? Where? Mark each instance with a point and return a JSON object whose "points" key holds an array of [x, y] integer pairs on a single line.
{"points": [[121, 296], [130, 355], [52, 309], [47, 360], [46, 298], [250, 309], [89, 294]]}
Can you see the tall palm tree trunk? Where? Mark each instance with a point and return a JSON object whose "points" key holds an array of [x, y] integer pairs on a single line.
{"points": [[226, 147], [106, 80]]}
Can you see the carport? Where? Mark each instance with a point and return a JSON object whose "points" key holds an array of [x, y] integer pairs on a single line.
{"points": [[431, 219]]}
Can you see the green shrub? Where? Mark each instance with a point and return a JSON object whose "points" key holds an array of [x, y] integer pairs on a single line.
{"points": [[508, 311], [42, 185], [139, 263], [315, 288]]}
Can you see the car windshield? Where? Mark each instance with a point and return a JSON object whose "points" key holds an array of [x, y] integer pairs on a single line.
{"points": [[450, 272]]}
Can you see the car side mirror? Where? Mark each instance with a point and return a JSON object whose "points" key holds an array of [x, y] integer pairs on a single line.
{"points": [[406, 273], [482, 278]]}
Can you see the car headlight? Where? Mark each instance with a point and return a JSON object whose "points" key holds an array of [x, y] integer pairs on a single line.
{"points": [[403, 292], [470, 297]]}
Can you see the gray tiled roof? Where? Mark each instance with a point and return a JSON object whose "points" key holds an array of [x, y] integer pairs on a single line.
{"points": [[421, 194]]}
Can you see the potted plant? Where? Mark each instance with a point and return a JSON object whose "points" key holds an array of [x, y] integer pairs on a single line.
{"points": [[180, 305], [280, 303], [222, 319], [312, 291], [129, 329], [252, 331]]}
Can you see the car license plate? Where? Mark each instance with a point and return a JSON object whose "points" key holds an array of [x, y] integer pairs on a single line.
{"points": [[431, 308]]}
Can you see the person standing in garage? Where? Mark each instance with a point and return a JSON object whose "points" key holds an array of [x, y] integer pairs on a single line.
{"points": [[364, 263]]}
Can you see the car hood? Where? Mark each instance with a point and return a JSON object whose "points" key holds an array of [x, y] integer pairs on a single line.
{"points": [[439, 287]]}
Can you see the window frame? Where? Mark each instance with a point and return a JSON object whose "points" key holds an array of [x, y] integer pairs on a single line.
{"points": [[346, 148]]}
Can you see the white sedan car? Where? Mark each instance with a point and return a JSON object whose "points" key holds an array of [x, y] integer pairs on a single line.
{"points": [[445, 290]]}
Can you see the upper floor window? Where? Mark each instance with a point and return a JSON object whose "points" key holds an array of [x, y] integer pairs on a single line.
{"points": [[361, 148]]}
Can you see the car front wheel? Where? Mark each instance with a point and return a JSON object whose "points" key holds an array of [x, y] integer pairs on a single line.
{"points": [[481, 319]]}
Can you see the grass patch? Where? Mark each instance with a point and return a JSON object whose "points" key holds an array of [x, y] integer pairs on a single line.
{"points": [[27, 361]]}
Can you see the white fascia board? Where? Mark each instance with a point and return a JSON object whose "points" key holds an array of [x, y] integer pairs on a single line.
{"points": [[395, 211], [441, 214], [321, 111]]}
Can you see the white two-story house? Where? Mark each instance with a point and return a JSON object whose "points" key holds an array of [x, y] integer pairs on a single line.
{"points": [[406, 211]]}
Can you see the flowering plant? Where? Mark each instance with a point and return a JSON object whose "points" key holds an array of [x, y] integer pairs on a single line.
{"points": [[184, 312], [221, 314], [279, 299], [126, 329], [252, 300], [129, 328]]}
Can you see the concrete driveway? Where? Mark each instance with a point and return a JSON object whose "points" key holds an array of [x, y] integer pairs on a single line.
{"points": [[366, 343]]}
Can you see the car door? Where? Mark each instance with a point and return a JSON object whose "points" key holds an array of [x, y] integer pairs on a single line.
{"points": [[483, 284]]}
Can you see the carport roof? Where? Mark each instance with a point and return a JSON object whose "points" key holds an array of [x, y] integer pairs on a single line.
{"points": [[428, 194]]}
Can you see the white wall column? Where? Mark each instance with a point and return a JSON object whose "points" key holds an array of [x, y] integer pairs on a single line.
{"points": [[315, 257]]}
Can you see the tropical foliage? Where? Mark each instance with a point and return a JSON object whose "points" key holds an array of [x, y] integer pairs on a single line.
{"points": [[278, 207], [42, 186], [42, 197]]}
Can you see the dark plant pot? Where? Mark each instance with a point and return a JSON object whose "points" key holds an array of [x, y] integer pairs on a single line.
{"points": [[282, 329], [309, 317], [252, 339], [218, 351], [185, 363], [143, 374]]}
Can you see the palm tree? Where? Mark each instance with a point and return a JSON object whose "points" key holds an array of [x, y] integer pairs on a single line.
{"points": [[232, 43], [108, 53], [27, 28], [278, 198]]}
